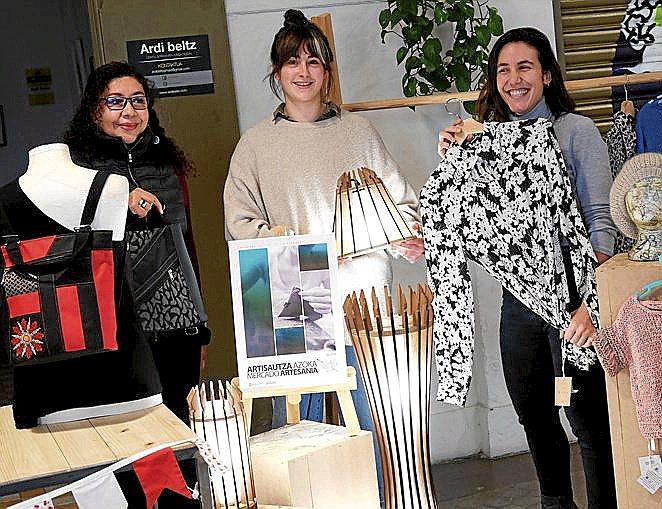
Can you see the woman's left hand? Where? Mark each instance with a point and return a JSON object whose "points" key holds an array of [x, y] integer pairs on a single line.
{"points": [[581, 329], [410, 249], [601, 257], [204, 353]]}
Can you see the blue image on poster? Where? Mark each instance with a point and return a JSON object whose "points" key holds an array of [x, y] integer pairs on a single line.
{"points": [[256, 300]]}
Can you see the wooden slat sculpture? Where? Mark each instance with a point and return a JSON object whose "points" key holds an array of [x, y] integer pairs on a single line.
{"points": [[217, 417], [394, 348]]}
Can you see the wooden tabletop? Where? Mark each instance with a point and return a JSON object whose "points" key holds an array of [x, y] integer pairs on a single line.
{"points": [[61, 453]]}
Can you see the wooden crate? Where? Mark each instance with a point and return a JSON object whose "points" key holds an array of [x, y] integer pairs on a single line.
{"points": [[617, 279], [314, 465]]}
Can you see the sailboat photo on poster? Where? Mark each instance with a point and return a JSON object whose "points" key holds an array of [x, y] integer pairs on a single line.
{"points": [[287, 311]]}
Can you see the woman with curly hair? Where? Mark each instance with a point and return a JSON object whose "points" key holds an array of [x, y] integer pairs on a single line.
{"points": [[116, 129]]}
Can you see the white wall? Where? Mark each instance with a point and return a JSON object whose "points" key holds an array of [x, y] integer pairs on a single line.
{"points": [[36, 33], [367, 71]]}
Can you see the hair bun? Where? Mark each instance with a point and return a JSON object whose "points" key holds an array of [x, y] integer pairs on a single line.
{"points": [[295, 18]]}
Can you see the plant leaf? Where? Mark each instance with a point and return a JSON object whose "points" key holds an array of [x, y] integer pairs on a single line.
{"points": [[413, 62], [462, 84], [483, 36], [495, 23], [440, 14], [429, 64], [439, 81], [426, 28], [410, 87], [396, 16], [401, 54], [431, 48], [384, 18], [408, 7]]}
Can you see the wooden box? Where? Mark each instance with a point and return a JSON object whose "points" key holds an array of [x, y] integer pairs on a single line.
{"points": [[617, 279], [315, 465]]}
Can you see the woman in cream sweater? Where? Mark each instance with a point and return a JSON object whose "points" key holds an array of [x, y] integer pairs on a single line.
{"points": [[284, 170]]}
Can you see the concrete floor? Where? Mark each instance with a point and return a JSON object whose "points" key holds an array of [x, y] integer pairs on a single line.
{"points": [[478, 483]]}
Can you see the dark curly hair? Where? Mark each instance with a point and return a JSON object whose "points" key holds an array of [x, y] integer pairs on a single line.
{"points": [[82, 133], [492, 107], [298, 30]]}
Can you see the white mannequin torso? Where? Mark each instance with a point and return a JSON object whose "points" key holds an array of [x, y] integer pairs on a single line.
{"points": [[59, 189]]}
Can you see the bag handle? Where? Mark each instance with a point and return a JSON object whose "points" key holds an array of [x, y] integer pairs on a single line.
{"points": [[93, 196]]}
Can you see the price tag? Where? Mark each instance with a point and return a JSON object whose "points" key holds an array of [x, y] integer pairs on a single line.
{"points": [[562, 390], [648, 463], [210, 457], [651, 481]]}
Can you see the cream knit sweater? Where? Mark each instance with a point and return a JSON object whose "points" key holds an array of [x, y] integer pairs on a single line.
{"points": [[285, 173]]}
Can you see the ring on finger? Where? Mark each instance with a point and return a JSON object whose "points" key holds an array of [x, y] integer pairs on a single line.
{"points": [[143, 203]]}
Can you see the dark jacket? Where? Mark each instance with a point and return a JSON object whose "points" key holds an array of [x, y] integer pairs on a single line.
{"points": [[144, 164]]}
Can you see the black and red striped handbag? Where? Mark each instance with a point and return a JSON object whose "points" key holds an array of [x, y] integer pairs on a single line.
{"points": [[58, 292]]}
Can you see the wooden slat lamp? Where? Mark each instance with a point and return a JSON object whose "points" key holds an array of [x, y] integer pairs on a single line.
{"points": [[367, 217], [393, 342], [217, 417]]}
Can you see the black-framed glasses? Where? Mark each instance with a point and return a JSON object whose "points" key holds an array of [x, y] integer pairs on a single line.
{"points": [[118, 102]]}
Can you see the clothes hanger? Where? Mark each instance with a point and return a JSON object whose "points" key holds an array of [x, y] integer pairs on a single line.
{"points": [[470, 126], [627, 106], [648, 289]]}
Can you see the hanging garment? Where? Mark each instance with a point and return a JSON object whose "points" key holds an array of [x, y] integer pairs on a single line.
{"points": [[506, 202], [104, 378], [634, 341], [649, 120], [621, 143]]}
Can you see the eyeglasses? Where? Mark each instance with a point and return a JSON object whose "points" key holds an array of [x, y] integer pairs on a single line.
{"points": [[118, 103]]}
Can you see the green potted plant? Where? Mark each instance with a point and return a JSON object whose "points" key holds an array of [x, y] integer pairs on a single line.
{"points": [[428, 67]]}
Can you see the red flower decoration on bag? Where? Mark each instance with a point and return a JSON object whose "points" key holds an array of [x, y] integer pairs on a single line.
{"points": [[27, 339]]}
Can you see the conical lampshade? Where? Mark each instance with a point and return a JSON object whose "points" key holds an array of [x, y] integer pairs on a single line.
{"points": [[366, 217]]}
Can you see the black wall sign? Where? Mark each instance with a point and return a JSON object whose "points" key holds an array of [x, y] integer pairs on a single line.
{"points": [[177, 65]]}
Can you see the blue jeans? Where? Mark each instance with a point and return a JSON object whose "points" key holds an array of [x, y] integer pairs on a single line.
{"points": [[311, 408]]}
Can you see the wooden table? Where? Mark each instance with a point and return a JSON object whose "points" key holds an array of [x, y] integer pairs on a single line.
{"points": [[63, 453]]}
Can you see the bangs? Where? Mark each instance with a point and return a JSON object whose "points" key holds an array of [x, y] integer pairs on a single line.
{"points": [[289, 45]]}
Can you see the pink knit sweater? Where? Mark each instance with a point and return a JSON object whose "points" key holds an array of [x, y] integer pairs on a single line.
{"points": [[634, 341]]}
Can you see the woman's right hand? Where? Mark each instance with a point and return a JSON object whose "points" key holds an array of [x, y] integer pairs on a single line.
{"points": [[280, 230], [448, 136], [141, 202]]}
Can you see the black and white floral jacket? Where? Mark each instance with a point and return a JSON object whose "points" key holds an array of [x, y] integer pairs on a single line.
{"points": [[506, 202], [621, 143]]}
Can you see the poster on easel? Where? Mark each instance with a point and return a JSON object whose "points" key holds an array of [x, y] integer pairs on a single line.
{"points": [[287, 311]]}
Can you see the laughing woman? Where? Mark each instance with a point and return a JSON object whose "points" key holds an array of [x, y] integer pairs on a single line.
{"points": [[525, 82], [284, 170]]}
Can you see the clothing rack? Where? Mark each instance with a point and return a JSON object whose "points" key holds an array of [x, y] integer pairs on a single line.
{"points": [[323, 21], [571, 85]]}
